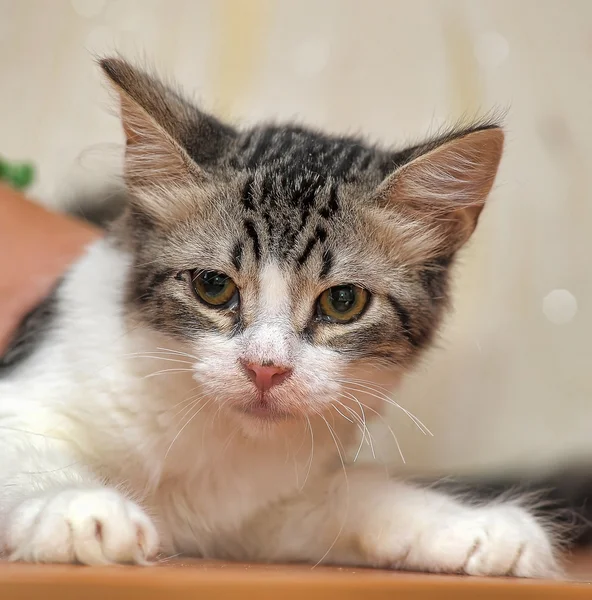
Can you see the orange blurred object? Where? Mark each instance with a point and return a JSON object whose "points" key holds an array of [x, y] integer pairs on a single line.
{"points": [[36, 247]]}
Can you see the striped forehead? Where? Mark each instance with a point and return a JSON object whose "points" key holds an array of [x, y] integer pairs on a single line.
{"points": [[292, 192], [286, 220]]}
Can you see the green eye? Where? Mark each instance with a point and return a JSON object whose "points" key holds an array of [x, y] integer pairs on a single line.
{"points": [[342, 303], [214, 288]]}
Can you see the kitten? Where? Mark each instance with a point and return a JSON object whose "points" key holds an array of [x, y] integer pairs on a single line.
{"points": [[211, 360]]}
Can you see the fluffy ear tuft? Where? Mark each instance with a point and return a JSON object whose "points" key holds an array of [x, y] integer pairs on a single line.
{"points": [[152, 117], [169, 142], [447, 184]]}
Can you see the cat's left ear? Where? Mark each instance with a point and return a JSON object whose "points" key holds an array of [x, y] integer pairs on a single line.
{"points": [[446, 182], [169, 142]]}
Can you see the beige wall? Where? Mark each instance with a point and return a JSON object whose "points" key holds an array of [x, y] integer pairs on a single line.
{"points": [[511, 382]]}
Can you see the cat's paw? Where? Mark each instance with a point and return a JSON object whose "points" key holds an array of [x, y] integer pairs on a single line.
{"points": [[90, 526], [495, 540]]}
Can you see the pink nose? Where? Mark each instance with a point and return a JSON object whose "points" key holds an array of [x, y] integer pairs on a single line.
{"points": [[265, 377]]}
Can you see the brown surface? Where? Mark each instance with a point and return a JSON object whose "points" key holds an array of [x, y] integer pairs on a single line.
{"points": [[184, 579]]}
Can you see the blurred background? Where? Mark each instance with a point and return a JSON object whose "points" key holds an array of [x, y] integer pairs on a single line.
{"points": [[510, 384]]}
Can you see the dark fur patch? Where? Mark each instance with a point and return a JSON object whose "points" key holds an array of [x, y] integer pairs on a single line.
{"points": [[237, 256], [333, 205], [31, 331], [347, 161], [327, 263], [247, 194], [434, 277], [404, 319], [321, 234], [147, 287], [306, 252], [262, 146], [252, 233]]}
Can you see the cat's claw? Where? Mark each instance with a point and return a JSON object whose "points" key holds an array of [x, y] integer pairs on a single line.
{"points": [[93, 527], [489, 541]]}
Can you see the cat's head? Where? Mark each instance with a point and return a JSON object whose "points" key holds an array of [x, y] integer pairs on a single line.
{"points": [[291, 263]]}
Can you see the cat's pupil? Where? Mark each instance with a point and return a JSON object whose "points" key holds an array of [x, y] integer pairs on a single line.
{"points": [[214, 283], [342, 297]]}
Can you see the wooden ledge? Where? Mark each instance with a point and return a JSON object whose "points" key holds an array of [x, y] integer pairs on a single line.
{"points": [[191, 579]]}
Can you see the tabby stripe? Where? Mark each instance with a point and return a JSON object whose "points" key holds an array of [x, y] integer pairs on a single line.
{"points": [[247, 195], [329, 159], [154, 282], [269, 223], [266, 190], [307, 201], [404, 319], [347, 161], [327, 263], [321, 233], [261, 148], [244, 146], [237, 256], [332, 205], [252, 233], [306, 252], [433, 277], [366, 162], [284, 145]]}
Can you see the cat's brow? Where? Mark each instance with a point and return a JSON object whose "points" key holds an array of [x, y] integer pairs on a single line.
{"points": [[327, 265], [318, 237], [237, 256]]}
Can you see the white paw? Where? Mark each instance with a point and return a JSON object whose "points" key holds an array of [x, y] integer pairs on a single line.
{"points": [[495, 540], [90, 526]]}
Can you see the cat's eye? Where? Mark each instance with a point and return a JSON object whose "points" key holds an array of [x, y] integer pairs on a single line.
{"points": [[342, 303], [214, 288]]}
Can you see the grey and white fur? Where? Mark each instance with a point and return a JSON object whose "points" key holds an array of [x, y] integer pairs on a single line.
{"points": [[213, 359]]}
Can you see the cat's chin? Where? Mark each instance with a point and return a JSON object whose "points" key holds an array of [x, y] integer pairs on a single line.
{"points": [[266, 413]]}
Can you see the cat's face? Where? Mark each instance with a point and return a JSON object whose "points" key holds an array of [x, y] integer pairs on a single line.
{"points": [[298, 269]]}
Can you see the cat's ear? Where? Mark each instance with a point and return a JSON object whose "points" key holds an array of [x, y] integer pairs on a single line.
{"points": [[167, 138], [446, 182]]}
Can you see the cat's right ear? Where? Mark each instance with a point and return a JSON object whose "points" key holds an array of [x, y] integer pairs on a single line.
{"points": [[166, 138], [444, 186]]}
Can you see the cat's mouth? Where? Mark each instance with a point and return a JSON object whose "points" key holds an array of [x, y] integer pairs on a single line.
{"points": [[264, 408]]}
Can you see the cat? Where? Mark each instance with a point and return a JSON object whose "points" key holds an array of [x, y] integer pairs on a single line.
{"points": [[199, 375]]}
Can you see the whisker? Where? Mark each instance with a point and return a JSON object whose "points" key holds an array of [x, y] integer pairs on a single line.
{"points": [[185, 409], [366, 435], [344, 416], [156, 357], [391, 431], [166, 559], [347, 492], [185, 399], [370, 391], [171, 351], [366, 428], [359, 422], [311, 453], [184, 426], [165, 371], [43, 435]]}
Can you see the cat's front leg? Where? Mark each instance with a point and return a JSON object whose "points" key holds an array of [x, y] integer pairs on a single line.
{"points": [[370, 520], [403, 526], [52, 509]]}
